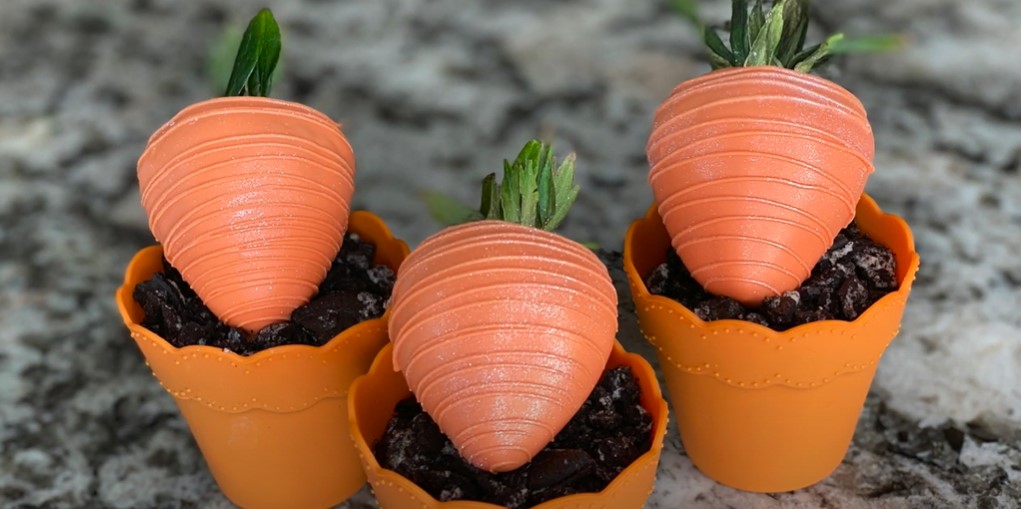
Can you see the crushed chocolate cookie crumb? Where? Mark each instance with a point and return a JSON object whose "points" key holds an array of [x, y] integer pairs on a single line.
{"points": [[853, 274], [607, 434], [353, 291]]}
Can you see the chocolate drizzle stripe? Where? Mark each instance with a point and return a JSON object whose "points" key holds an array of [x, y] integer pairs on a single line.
{"points": [[691, 166], [478, 324], [232, 177]]}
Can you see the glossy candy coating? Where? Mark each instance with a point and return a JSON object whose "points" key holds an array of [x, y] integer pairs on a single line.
{"points": [[502, 331], [755, 170], [250, 198]]}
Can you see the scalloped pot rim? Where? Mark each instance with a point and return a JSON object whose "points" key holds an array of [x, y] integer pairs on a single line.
{"points": [[905, 281], [382, 366], [752, 356], [390, 251], [192, 351]]}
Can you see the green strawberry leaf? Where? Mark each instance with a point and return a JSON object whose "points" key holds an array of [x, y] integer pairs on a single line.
{"points": [[257, 57]]}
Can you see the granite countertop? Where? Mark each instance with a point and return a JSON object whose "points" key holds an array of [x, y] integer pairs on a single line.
{"points": [[433, 95]]}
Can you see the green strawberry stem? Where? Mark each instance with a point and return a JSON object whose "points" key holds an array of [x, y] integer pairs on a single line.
{"points": [[257, 58], [534, 192], [777, 37]]}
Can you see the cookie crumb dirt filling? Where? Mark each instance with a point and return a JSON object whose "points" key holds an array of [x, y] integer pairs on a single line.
{"points": [[853, 274], [354, 290], [610, 431]]}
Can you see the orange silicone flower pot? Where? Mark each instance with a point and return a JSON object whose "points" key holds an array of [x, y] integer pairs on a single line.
{"points": [[249, 197], [372, 402], [762, 410], [272, 426], [502, 331], [755, 170]]}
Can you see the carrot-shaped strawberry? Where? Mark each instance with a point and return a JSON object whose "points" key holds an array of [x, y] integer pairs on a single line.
{"points": [[501, 327], [249, 195], [757, 165]]}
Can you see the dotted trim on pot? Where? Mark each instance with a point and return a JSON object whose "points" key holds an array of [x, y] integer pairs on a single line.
{"points": [[806, 356], [709, 361], [281, 379]]}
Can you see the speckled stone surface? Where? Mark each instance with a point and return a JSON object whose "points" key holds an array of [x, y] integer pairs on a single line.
{"points": [[433, 95]]}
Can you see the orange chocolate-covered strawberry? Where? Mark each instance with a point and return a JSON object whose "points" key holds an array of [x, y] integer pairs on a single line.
{"points": [[757, 165], [249, 195], [501, 327]]}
